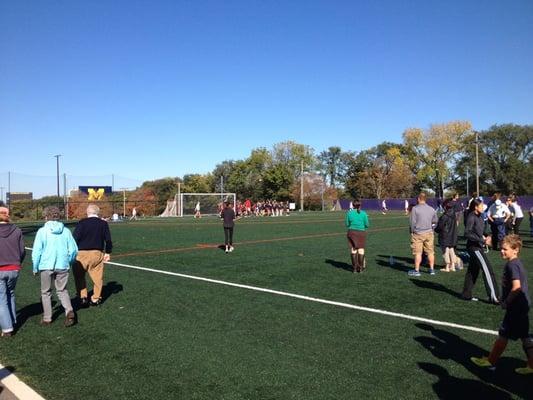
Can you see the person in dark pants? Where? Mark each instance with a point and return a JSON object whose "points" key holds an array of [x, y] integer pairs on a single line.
{"points": [[478, 261], [228, 217]]}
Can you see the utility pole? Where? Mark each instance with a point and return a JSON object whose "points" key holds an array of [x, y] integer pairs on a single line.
{"points": [[2, 193], [57, 171], [467, 183]]}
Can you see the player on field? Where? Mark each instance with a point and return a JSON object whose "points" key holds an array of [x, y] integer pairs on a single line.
{"points": [[356, 221]]}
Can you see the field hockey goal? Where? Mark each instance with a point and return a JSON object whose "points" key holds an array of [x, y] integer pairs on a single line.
{"points": [[209, 203]]}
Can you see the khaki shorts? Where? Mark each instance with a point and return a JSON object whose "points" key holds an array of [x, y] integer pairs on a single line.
{"points": [[422, 242]]}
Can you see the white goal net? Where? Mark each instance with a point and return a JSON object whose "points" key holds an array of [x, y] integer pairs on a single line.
{"points": [[208, 203], [172, 208]]}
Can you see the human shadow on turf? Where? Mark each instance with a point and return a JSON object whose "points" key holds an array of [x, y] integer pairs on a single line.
{"points": [[449, 346], [423, 284], [109, 289], [400, 263], [450, 387], [339, 264]]}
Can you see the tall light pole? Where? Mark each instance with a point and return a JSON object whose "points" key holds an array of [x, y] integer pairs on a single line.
{"points": [[477, 165], [302, 185], [57, 171], [1, 193], [123, 202]]}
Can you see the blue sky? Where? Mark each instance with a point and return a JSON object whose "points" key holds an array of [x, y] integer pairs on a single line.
{"points": [[148, 89]]}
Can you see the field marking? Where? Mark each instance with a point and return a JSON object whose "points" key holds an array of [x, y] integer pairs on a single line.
{"points": [[19, 389], [313, 299], [203, 246]]}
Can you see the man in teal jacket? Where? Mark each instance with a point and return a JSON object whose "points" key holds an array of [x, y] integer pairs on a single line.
{"points": [[54, 250]]}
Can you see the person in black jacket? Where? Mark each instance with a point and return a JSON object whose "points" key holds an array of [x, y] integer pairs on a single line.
{"points": [[228, 217], [93, 238], [476, 240], [447, 233]]}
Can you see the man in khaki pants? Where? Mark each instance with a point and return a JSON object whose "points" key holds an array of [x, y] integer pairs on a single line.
{"points": [[93, 238]]}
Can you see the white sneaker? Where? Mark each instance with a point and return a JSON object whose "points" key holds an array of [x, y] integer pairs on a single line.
{"points": [[231, 249]]}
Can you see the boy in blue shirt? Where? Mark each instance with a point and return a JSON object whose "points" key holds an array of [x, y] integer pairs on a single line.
{"points": [[516, 303]]}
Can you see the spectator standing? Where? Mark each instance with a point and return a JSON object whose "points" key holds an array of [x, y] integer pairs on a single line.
{"points": [[356, 220], [54, 250], [498, 214], [422, 221], [447, 233], [94, 242], [475, 242], [228, 217], [12, 254], [519, 214]]}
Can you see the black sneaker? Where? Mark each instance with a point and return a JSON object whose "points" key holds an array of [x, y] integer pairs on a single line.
{"points": [[84, 302], [95, 303]]}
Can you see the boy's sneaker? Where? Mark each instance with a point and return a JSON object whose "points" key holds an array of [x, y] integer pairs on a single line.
{"points": [[413, 272], [459, 264], [432, 271], [524, 371], [483, 362], [231, 249]]}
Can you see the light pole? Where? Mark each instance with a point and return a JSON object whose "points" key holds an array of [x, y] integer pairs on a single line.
{"points": [[57, 171], [123, 202], [477, 165], [1, 193]]}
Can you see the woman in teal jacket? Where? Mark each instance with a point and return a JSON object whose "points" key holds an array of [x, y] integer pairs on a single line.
{"points": [[54, 250], [356, 221]]}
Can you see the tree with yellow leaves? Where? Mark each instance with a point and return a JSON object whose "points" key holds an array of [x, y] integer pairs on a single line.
{"points": [[432, 151]]}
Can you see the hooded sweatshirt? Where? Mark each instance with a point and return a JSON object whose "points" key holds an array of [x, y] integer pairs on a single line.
{"points": [[54, 247], [11, 247]]}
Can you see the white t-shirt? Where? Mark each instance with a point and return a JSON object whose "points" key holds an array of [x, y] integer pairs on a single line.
{"points": [[499, 210]]}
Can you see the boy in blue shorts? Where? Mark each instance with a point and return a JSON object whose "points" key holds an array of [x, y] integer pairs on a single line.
{"points": [[516, 302]]}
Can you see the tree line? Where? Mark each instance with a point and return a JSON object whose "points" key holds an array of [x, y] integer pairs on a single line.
{"points": [[438, 159]]}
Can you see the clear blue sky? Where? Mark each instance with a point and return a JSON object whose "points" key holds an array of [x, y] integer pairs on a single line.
{"points": [[148, 89]]}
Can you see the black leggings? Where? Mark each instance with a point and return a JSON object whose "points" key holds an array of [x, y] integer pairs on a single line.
{"points": [[228, 236]]}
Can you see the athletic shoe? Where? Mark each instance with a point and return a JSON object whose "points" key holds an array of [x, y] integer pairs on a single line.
{"points": [[45, 323], [432, 271], [95, 303], [524, 371], [413, 272], [70, 319], [459, 264], [84, 302], [483, 362], [231, 249], [7, 334]]}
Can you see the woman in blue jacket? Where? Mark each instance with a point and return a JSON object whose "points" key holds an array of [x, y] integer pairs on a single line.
{"points": [[54, 250]]}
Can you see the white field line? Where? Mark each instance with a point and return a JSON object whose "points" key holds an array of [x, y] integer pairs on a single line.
{"points": [[314, 299], [19, 389]]}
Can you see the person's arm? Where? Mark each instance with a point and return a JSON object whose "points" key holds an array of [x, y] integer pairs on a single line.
{"points": [[22, 249], [72, 247], [515, 291], [367, 222], [37, 251], [108, 243], [347, 220], [470, 233]]}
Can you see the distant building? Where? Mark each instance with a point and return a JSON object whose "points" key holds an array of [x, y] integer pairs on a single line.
{"points": [[16, 196]]}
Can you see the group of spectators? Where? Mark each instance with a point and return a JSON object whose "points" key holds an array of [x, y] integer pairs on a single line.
{"points": [[55, 251], [266, 208]]}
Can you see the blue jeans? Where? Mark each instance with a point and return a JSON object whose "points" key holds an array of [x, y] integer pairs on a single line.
{"points": [[8, 314]]}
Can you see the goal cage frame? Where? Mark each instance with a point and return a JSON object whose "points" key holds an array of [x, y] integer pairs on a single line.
{"points": [[187, 202]]}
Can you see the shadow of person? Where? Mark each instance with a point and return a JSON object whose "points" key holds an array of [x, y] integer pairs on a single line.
{"points": [[29, 311], [111, 288], [339, 264], [445, 345], [450, 387], [403, 264], [435, 286]]}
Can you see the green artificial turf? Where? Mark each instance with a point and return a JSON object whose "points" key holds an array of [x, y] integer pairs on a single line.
{"points": [[167, 337]]}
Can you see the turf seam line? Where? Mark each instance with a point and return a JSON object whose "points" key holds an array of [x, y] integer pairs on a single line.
{"points": [[313, 299], [22, 391]]}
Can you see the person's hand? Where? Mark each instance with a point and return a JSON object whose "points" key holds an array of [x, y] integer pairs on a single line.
{"points": [[107, 257], [488, 241]]}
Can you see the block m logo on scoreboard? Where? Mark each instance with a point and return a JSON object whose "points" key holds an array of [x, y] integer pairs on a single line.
{"points": [[95, 193]]}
